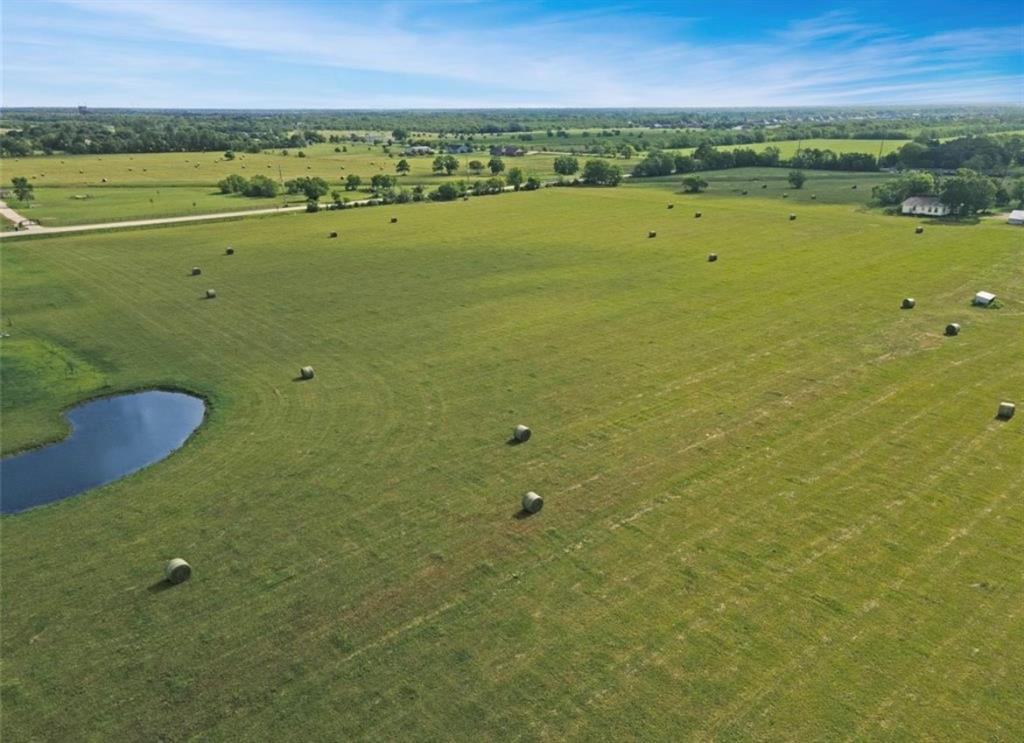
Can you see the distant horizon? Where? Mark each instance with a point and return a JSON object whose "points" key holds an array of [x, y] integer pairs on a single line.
{"points": [[641, 108], [529, 54]]}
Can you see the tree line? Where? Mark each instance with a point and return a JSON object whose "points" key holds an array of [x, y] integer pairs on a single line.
{"points": [[110, 131], [985, 154]]}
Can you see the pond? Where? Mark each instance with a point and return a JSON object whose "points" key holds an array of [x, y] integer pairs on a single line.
{"points": [[110, 438]]}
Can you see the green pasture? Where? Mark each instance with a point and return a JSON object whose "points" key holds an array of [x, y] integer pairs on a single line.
{"points": [[75, 205], [145, 186], [822, 186], [788, 148], [777, 506]]}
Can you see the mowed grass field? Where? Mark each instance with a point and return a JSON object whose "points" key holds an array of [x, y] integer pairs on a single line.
{"points": [[821, 187], [788, 148], [777, 506], [143, 186]]}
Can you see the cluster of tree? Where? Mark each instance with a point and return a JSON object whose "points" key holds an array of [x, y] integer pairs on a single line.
{"points": [[983, 154], [137, 132], [966, 192], [494, 185], [816, 159], [601, 173], [707, 157], [446, 164], [257, 186], [902, 187], [382, 183], [311, 187]]}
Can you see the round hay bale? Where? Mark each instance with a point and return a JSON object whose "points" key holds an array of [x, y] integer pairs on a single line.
{"points": [[698, 215], [196, 270], [814, 196], [211, 294], [333, 234], [712, 257], [229, 251], [532, 502], [671, 206], [785, 195], [792, 217], [953, 328], [919, 229], [306, 372], [744, 192], [465, 198], [394, 219], [764, 185], [103, 180], [177, 571], [907, 303], [854, 187], [1006, 410], [522, 433], [652, 233]]}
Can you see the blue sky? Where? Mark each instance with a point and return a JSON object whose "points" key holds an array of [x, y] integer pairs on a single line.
{"points": [[321, 54]]}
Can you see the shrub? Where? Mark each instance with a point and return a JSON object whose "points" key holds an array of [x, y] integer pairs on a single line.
{"points": [[445, 192], [693, 184], [233, 184], [260, 185]]}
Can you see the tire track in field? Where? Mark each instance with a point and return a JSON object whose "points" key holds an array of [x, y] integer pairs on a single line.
{"points": [[707, 534], [748, 700]]}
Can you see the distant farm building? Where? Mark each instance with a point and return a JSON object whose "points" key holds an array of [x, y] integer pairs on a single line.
{"points": [[928, 206], [1016, 217], [508, 151], [457, 149], [420, 149]]}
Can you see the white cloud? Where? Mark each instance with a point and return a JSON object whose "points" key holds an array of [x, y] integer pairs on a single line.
{"points": [[476, 56]]}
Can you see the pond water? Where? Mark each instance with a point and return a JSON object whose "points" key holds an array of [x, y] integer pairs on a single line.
{"points": [[110, 438]]}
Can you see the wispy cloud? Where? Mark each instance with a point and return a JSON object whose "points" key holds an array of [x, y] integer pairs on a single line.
{"points": [[190, 53]]}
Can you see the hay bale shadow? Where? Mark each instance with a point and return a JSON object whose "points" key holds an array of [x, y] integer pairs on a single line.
{"points": [[521, 514], [160, 586], [300, 378], [513, 441]]}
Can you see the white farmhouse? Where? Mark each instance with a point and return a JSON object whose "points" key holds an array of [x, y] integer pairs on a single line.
{"points": [[928, 206]]}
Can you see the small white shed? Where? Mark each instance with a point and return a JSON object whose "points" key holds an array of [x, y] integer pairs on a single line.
{"points": [[984, 299], [1016, 217]]}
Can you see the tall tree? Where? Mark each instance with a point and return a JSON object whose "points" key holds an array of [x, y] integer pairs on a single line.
{"points": [[967, 192], [22, 188], [566, 165], [446, 164], [602, 173], [515, 177]]}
